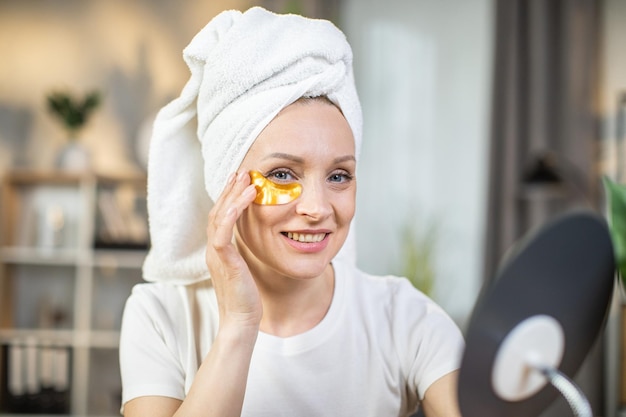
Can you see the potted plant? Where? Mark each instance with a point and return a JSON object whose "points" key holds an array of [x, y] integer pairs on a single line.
{"points": [[616, 199], [73, 113], [417, 253]]}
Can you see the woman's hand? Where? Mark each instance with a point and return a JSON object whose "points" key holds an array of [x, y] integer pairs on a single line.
{"points": [[219, 386], [237, 293]]}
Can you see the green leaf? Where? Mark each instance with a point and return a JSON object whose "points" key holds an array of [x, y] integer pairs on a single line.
{"points": [[616, 195], [73, 113]]}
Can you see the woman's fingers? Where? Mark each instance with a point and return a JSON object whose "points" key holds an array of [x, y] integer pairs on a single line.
{"points": [[236, 197], [223, 198], [236, 291], [222, 257]]}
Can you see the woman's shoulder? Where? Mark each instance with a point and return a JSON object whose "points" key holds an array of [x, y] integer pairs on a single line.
{"points": [[393, 303], [164, 298], [154, 293], [391, 297], [386, 286]]}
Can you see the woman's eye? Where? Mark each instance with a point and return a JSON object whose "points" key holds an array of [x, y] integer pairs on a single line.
{"points": [[280, 176], [339, 177]]}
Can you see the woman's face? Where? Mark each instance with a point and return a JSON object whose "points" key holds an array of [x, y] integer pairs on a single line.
{"points": [[310, 143]]}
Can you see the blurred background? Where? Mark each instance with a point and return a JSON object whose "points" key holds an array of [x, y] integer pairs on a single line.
{"points": [[483, 120]]}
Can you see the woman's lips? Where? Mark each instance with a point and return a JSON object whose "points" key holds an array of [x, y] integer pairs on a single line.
{"points": [[306, 237], [307, 242]]}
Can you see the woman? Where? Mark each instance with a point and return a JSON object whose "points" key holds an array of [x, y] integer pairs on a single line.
{"points": [[283, 326]]}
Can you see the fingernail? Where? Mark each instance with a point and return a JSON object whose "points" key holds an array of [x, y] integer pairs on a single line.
{"points": [[231, 177]]}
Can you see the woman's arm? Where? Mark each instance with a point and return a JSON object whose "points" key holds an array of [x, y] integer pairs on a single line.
{"points": [[152, 406], [219, 386], [441, 399]]}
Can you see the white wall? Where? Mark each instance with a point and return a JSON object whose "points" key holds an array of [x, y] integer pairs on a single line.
{"points": [[423, 70], [130, 50], [612, 79]]}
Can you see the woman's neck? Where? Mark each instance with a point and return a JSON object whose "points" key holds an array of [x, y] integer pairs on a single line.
{"points": [[291, 306]]}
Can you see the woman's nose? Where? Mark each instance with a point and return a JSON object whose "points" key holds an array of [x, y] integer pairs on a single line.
{"points": [[314, 202]]}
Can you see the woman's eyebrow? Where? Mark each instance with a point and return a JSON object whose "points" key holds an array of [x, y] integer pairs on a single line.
{"points": [[345, 158], [297, 159], [280, 155]]}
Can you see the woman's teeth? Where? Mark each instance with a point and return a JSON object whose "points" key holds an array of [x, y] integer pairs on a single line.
{"points": [[306, 237]]}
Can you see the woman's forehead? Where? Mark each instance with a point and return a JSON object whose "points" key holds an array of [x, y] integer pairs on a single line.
{"points": [[316, 127]]}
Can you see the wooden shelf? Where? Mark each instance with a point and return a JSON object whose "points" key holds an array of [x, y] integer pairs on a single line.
{"points": [[130, 259], [54, 337], [43, 256], [101, 339], [96, 281], [23, 177]]}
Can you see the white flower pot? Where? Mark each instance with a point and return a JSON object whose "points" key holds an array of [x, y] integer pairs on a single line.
{"points": [[74, 157]]}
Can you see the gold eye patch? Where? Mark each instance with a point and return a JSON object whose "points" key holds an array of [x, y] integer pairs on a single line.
{"points": [[270, 193]]}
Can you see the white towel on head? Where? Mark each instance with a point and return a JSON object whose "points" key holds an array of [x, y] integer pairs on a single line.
{"points": [[245, 68]]}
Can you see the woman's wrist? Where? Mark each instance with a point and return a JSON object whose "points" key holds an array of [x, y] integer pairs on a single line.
{"points": [[219, 386], [240, 334]]}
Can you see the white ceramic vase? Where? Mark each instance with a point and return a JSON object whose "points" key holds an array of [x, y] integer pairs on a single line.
{"points": [[74, 157]]}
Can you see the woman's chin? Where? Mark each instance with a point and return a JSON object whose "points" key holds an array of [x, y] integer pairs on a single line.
{"points": [[306, 269]]}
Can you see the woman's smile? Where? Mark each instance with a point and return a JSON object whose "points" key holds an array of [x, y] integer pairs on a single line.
{"points": [[307, 242], [306, 237]]}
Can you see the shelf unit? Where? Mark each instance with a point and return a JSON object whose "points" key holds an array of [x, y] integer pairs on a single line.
{"points": [[71, 249]]}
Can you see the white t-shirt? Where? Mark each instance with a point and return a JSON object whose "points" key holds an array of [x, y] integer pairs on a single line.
{"points": [[378, 349]]}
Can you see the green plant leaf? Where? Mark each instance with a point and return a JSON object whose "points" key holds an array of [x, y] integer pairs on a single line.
{"points": [[417, 253], [616, 195], [73, 113]]}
